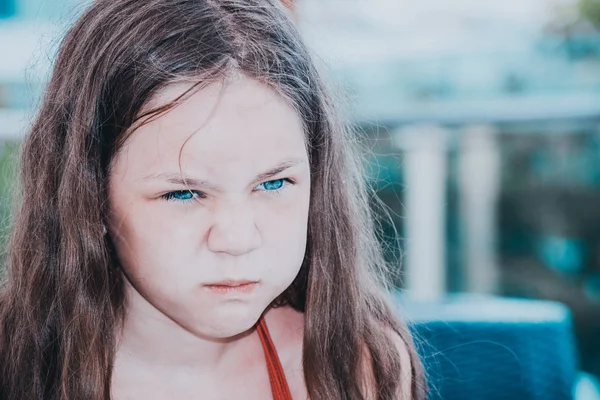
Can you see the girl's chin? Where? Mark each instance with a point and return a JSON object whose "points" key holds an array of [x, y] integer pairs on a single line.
{"points": [[230, 326]]}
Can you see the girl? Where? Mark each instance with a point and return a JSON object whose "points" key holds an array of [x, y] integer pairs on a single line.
{"points": [[192, 221]]}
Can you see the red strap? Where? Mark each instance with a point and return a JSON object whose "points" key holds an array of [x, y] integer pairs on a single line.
{"points": [[288, 3], [279, 385]]}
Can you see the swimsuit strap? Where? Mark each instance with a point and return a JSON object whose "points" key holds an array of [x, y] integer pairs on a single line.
{"points": [[279, 385]]}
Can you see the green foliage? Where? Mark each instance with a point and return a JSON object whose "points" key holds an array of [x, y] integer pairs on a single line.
{"points": [[8, 152], [590, 11]]}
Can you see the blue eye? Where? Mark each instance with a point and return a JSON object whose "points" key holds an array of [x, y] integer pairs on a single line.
{"points": [[274, 185], [181, 195]]}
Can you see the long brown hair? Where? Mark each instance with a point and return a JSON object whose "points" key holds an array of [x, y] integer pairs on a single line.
{"points": [[63, 291]]}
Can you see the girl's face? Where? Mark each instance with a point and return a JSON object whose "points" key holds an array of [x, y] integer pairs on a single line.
{"points": [[208, 197]]}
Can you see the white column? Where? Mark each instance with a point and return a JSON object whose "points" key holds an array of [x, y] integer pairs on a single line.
{"points": [[479, 188], [425, 171]]}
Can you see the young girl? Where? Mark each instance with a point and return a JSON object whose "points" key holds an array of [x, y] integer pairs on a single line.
{"points": [[193, 223]]}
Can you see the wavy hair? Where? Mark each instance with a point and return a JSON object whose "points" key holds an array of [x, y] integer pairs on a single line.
{"points": [[63, 296]]}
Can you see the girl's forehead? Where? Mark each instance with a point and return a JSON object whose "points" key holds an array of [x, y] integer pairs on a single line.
{"points": [[240, 125]]}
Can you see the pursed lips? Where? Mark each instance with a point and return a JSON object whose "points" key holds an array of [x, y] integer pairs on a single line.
{"points": [[232, 286]]}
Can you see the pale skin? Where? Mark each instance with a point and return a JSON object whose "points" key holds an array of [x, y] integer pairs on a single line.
{"points": [[216, 189]]}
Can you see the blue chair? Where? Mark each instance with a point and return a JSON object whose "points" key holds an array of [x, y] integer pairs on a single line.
{"points": [[490, 348]]}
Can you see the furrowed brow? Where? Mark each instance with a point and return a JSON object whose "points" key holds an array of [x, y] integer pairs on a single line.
{"points": [[184, 180], [289, 163]]}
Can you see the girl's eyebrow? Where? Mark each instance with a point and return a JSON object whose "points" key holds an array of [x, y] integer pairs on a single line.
{"points": [[185, 180], [282, 166]]}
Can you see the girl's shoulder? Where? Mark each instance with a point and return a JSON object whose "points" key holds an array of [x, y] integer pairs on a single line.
{"points": [[401, 347], [286, 327]]}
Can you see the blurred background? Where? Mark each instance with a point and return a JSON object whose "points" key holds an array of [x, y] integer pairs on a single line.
{"points": [[482, 124]]}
